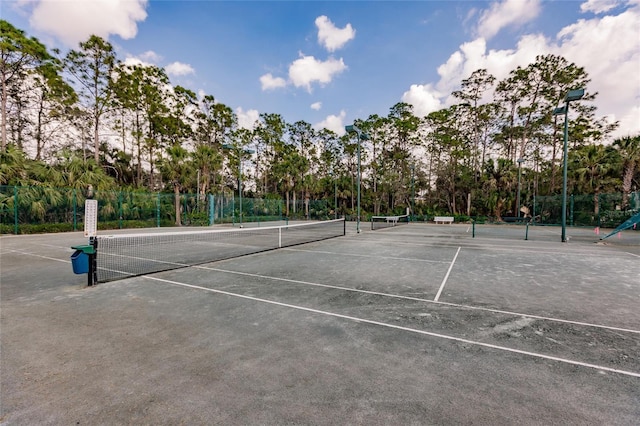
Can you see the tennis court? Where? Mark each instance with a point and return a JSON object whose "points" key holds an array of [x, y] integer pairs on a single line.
{"points": [[411, 324]]}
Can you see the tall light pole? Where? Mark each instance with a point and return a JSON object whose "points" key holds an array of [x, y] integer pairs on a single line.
{"points": [[572, 95], [352, 128], [520, 161], [241, 152]]}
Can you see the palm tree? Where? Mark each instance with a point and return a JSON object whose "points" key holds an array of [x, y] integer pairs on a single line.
{"points": [[175, 170], [594, 166], [629, 148]]}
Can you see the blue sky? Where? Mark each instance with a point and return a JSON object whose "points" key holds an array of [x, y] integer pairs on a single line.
{"points": [[331, 62]]}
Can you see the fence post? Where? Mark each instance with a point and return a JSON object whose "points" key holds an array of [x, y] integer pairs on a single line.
{"points": [[184, 209], [75, 210], [158, 210], [15, 210], [571, 212], [212, 210], [120, 209]]}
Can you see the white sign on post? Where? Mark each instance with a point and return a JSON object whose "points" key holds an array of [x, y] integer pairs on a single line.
{"points": [[91, 218]]}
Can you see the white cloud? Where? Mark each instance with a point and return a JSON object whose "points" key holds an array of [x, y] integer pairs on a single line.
{"points": [[613, 70], [247, 119], [424, 98], [317, 106], [178, 69], [150, 56], [269, 82], [74, 21], [331, 37], [598, 6], [144, 59], [307, 70], [506, 13], [334, 123]]}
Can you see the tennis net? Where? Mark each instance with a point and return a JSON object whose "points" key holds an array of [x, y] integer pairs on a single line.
{"points": [[379, 222], [122, 256]]}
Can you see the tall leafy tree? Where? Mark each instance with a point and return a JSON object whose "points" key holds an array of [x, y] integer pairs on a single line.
{"points": [[19, 56], [483, 116], [215, 123], [54, 99], [269, 137], [92, 67], [302, 135]]}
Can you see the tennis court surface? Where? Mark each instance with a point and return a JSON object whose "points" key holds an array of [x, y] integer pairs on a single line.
{"points": [[410, 324]]}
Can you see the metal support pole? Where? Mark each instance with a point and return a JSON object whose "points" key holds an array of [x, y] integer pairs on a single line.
{"points": [[358, 218], [212, 210], [240, 185], [158, 210], [571, 210], [335, 197], [75, 211], [413, 194], [564, 173], [15, 210]]}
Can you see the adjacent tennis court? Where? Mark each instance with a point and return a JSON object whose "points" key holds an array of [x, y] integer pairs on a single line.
{"points": [[409, 324]]}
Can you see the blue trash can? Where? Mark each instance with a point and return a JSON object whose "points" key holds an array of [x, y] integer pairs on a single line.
{"points": [[80, 262]]}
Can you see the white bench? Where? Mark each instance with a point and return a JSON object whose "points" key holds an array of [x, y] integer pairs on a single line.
{"points": [[443, 219], [393, 219]]}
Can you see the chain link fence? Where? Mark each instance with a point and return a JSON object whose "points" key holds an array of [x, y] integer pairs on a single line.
{"points": [[32, 209], [601, 210]]}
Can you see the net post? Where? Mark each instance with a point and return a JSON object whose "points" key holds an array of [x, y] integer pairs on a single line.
{"points": [[92, 276], [526, 232], [473, 228], [279, 237]]}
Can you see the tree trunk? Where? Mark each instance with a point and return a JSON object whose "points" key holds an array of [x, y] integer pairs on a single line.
{"points": [[627, 180], [287, 204], [3, 113]]}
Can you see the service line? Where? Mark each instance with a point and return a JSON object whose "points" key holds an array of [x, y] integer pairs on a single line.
{"points": [[397, 327]]}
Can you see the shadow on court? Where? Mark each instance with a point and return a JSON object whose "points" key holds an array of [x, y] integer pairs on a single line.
{"points": [[414, 324]]}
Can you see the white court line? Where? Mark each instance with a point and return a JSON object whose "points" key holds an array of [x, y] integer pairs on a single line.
{"points": [[38, 255], [418, 299], [411, 259], [482, 245], [397, 327], [374, 293], [446, 277]]}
